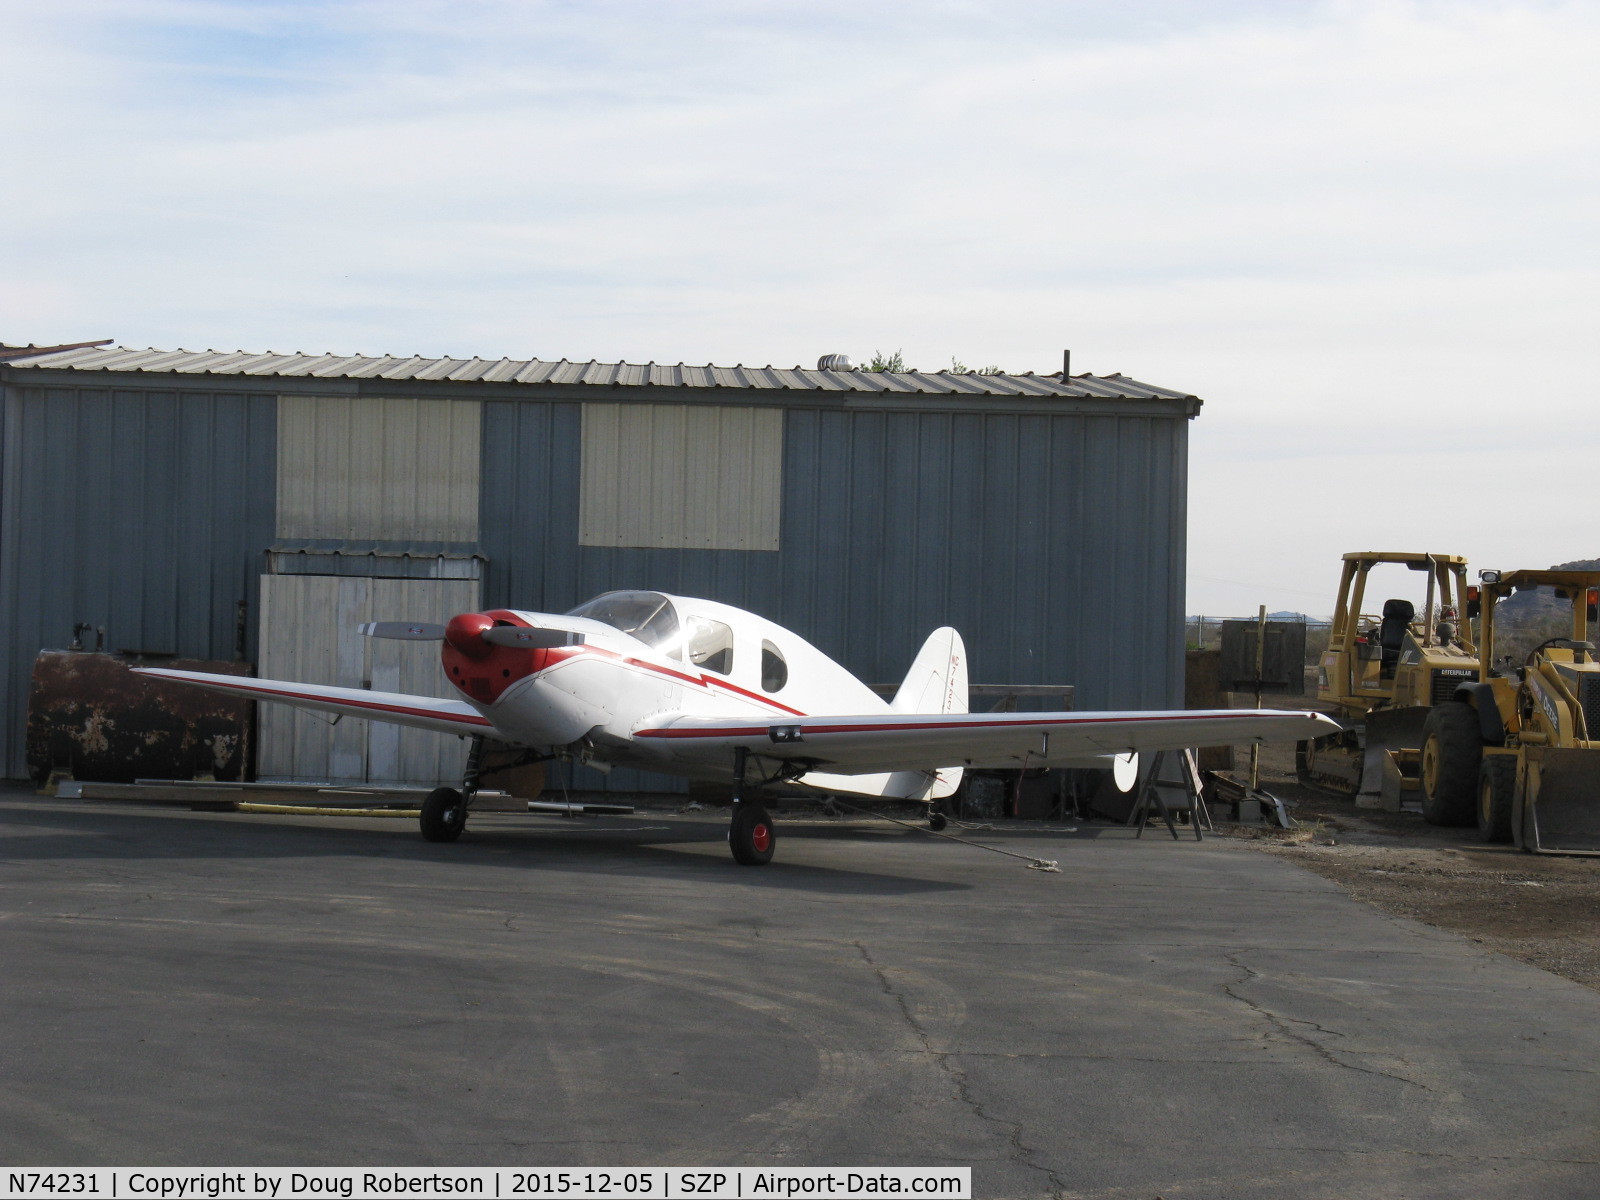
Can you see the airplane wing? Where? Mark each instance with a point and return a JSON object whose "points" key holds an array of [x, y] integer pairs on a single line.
{"points": [[900, 742], [419, 712]]}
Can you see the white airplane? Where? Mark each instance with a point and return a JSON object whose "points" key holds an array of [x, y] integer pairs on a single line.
{"points": [[704, 690]]}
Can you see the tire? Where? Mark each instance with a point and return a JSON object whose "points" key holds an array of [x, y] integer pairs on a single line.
{"points": [[1452, 747], [751, 836], [444, 815], [1497, 781], [937, 821]]}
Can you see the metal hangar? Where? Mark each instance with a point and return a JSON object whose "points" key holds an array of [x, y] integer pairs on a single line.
{"points": [[260, 506]]}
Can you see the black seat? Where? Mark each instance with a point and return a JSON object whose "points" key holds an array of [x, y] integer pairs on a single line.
{"points": [[1397, 616]]}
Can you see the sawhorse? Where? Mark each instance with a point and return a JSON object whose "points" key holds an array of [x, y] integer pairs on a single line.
{"points": [[1168, 795]]}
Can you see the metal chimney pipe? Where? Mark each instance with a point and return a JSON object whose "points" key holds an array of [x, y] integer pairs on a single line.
{"points": [[1066, 363]]}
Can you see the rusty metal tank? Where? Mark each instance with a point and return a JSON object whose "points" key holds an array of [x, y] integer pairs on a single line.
{"points": [[92, 719]]}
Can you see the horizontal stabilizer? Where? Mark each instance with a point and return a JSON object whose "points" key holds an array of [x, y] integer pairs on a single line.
{"points": [[405, 631]]}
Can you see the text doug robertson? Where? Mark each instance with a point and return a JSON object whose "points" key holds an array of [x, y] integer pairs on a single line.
{"points": [[240, 1183]]}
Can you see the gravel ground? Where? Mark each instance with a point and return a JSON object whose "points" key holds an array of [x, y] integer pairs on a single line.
{"points": [[1541, 909]]}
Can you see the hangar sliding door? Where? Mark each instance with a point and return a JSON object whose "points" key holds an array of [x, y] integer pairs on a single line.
{"points": [[309, 632]]}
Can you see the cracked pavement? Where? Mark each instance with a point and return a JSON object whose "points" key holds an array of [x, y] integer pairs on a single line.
{"points": [[1172, 1019]]}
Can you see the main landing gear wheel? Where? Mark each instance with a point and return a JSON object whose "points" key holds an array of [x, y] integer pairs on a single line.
{"points": [[937, 821], [444, 815], [751, 836]]}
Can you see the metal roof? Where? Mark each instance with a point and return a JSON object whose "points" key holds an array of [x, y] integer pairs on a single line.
{"points": [[7, 353], [591, 374]]}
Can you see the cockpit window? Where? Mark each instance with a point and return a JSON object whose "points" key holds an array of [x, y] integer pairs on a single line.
{"points": [[648, 616], [774, 671], [711, 645]]}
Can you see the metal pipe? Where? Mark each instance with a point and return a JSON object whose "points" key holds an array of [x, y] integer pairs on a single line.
{"points": [[1427, 608], [1261, 657]]}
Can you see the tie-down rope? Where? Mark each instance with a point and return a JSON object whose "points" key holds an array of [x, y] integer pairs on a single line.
{"points": [[1049, 865]]}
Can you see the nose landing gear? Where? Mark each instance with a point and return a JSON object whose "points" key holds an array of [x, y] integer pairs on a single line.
{"points": [[444, 811], [444, 815]]}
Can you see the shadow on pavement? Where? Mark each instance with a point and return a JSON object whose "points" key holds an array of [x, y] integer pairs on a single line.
{"points": [[645, 844]]}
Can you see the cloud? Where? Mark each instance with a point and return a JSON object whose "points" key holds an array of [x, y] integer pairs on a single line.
{"points": [[1361, 231]]}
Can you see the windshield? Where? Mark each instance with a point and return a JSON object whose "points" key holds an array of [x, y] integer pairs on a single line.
{"points": [[648, 616]]}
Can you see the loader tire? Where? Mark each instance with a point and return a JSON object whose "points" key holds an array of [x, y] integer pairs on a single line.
{"points": [[1452, 748], [1497, 780]]}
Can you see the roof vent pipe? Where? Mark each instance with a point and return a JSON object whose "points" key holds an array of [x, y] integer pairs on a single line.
{"points": [[835, 362], [1066, 363]]}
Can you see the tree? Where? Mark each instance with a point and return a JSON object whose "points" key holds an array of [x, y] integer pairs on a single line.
{"points": [[896, 362], [957, 367], [885, 362]]}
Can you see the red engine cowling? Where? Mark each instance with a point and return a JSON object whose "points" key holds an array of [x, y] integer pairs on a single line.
{"points": [[480, 669]]}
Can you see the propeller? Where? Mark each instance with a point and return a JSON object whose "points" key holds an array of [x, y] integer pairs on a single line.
{"points": [[405, 631], [518, 637]]}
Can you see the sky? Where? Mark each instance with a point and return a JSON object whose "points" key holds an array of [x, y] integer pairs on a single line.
{"points": [[1362, 231]]}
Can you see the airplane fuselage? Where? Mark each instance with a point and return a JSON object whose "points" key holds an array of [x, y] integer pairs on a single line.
{"points": [[595, 696]]}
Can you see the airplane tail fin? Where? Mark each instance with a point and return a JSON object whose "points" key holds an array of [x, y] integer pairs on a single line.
{"points": [[937, 683]]}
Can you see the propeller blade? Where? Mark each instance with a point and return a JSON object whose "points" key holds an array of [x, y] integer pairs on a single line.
{"points": [[519, 637], [405, 631]]}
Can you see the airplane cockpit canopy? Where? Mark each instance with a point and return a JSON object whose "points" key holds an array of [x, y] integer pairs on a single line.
{"points": [[648, 616]]}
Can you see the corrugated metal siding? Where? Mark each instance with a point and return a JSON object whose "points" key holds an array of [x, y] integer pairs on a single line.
{"points": [[390, 468], [704, 477], [143, 511], [310, 633], [1043, 539], [1054, 542]]}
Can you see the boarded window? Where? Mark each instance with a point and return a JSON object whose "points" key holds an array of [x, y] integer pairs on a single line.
{"points": [[373, 468], [696, 477]]}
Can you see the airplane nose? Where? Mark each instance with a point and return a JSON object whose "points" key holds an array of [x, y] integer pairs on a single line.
{"points": [[465, 633]]}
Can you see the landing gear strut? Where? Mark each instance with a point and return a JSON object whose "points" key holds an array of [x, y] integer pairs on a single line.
{"points": [[751, 836], [444, 812]]}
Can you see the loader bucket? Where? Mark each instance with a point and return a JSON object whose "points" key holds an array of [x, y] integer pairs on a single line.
{"points": [[1557, 810]]}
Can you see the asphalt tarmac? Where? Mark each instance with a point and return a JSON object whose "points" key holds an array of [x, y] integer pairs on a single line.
{"points": [[1159, 1019]]}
